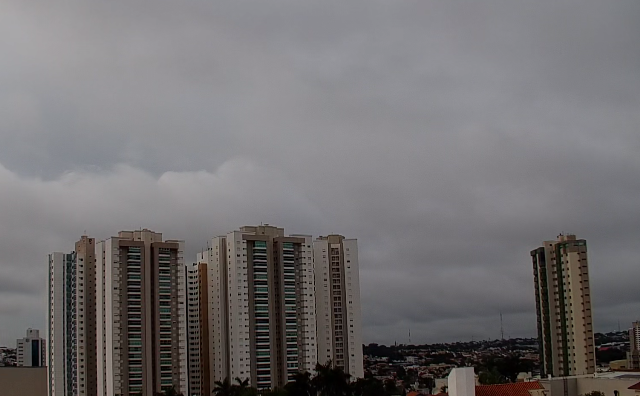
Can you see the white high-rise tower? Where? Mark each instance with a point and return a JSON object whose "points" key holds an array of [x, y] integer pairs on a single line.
{"points": [[141, 315], [339, 320], [71, 346], [255, 300]]}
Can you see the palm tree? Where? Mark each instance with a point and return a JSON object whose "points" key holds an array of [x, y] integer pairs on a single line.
{"points": [[301, 385], [331, 381], [223, 388], [241, 388]]}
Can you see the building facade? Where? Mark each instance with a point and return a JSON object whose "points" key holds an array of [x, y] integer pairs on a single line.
{"points": [[71, 336], [339, 322], [633, 356], [200, 345], [563, 306], [141, 315], [254, 297], [30, 350]]}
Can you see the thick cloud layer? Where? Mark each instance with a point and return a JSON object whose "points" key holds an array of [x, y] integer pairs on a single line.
{"points": [[450, 138]]}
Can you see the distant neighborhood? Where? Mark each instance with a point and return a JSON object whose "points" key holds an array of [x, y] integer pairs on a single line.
{"points": [[424, 368]]}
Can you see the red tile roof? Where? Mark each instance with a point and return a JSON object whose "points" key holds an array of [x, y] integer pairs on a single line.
{"points": [[515, 389], [635, 387], [413, 393]]}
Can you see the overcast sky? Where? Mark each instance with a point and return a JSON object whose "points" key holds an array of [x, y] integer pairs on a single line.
{"points": [[449, 137]]}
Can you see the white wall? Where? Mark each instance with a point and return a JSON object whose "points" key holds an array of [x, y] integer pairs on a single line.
{"points": [[55, 351], [323, 306], [240, 365], [100, 330], [306, 293], [462, 382], [354, 315], [182, 322], [193, 328]]}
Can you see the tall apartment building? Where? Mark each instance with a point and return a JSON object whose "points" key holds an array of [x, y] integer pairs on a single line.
{"points": [[200, 336], [71, 351], [141, 315], [31, 351], [633, 356], [339, 322], [254, 297], [563, 306]]}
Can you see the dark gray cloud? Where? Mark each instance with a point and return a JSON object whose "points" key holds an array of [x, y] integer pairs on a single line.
{"points": [[450, 138]]}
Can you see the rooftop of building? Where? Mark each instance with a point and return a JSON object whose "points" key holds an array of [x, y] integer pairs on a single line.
{"points": [[635, 386], [514, 389]]}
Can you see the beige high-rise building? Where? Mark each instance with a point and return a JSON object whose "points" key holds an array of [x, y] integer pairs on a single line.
{"points": [[339, 322], [141, 315], [71, 335], [199, 325], [255, 306], [563, 306]]}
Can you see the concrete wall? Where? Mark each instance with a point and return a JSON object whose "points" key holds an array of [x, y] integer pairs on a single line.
{"points": [[577, 386], [462, 382], [606, 386], [23, 381]]}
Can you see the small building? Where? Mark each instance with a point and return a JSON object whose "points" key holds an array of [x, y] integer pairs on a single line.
{"points": [[618, 364], [30, 351]]}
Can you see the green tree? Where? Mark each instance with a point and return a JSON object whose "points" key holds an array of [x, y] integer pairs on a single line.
{"points": [[169, 391], [223, 388], [507, 368], [491, 377], [391, 388], [368, 386], [301, 385], [240, 386], [594, 393], [274, 392], [428, 382], [331, 381]]}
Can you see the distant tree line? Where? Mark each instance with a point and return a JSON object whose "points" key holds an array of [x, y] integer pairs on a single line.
{"points": [[502, 369]]}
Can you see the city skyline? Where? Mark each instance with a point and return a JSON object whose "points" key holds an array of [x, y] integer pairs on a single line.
{"points": [[417, 339], [448, 137]]}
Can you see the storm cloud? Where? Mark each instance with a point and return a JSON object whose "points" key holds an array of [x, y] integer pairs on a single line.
{"points": [[450, 137]]}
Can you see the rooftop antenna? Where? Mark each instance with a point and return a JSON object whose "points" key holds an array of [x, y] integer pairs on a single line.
{"points": [[409, 336], [618, 325], [501, 327]]}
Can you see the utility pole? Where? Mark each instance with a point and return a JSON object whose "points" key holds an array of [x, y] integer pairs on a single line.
{"points": [[501, 327]]}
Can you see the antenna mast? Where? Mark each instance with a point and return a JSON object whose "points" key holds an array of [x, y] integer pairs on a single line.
{"points": [[501, 327]]}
